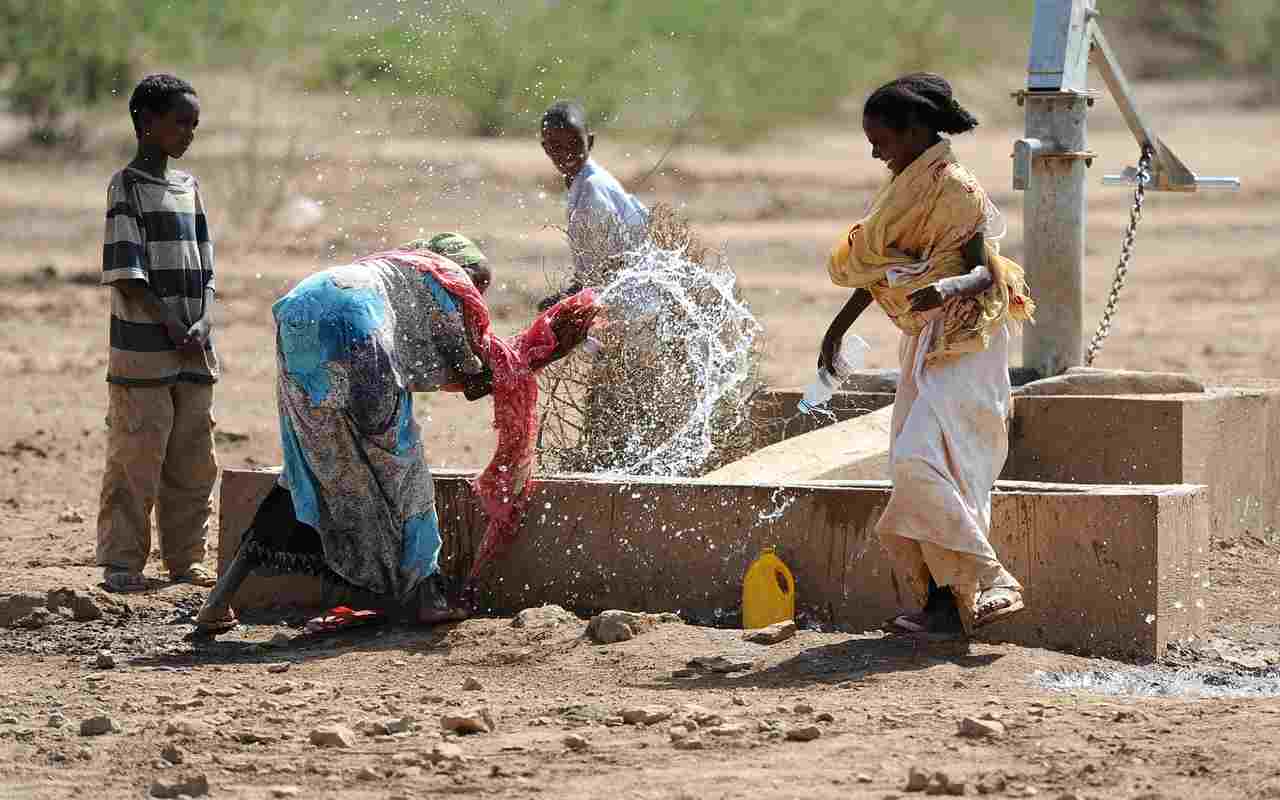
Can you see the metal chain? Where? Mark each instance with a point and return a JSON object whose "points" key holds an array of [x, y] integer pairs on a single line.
{"points": [[1126, 253]]}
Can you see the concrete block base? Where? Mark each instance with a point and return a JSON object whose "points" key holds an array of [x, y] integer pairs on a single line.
{"points": [[1108, 570], [1226, 438]]}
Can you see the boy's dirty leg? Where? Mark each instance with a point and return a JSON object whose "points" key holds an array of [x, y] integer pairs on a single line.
{"points": [[185, 501]]}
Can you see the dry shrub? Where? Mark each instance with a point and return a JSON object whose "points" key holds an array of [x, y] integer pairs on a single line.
{"points": [[615, 410]]}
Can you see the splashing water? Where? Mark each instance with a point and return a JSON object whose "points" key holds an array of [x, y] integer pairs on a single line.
{"points": [[1156, 681], [707, 335]]}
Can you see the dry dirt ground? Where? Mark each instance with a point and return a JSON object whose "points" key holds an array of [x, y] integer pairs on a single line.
{"points": [[1201, 298]]}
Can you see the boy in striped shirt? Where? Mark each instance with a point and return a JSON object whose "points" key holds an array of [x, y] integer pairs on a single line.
{"points": [[158, 261]]}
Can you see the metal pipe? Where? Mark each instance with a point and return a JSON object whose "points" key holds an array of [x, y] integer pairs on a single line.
{"points": [[1054, 224]]}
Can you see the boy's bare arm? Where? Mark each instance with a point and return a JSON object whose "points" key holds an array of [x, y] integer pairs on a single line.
{"points": [[203, 327], [140, 292]]}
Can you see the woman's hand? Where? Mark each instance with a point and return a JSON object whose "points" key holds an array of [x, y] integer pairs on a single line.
{"points": [[927, 298], [830, 345], [839, 326]]}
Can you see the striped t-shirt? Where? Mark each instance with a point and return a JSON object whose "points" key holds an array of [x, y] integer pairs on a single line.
{"points": [[156, 233]]}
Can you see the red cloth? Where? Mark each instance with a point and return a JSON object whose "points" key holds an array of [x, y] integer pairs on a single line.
{"points": [[504, 486]]}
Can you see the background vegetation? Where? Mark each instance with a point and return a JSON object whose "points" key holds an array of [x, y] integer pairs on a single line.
{"points": [[724, 70]]}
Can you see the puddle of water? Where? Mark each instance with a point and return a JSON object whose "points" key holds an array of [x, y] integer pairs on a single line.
{"points": [[1165, 682]]}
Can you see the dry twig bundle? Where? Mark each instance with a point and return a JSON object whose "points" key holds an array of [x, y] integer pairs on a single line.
{"points": [[618, 409]]}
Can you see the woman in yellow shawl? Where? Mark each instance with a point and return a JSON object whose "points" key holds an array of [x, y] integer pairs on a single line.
{"points": [[925, 253]]}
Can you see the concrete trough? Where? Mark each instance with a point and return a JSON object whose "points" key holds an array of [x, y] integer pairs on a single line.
{"points": [[1109, 570], [1226, 438]]}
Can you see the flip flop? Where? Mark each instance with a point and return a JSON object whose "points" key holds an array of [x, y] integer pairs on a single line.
{"points": [[993, 605], [123, 581], [197, 575], [211, 627], [342, 618]]}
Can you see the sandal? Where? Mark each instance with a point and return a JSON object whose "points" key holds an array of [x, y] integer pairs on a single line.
{"points": [[993, 605], [119, 579], [207, 623], [341, 618], [433, 605], [197, 575]]}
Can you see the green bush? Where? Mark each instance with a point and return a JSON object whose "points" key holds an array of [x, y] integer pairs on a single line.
{"points": [[58, 55], [734, 68]]}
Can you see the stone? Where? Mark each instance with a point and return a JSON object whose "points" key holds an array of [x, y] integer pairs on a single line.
{"points": [[283, 688], [96, 726], [407, 760], [56, 720], [729, 731], [191, 786], [281, 792], [548, 616], [250, 737], [476, 720], [777, 632], [803, 733], [277, 669], [863, 777], [576, 743], [992, 783], [472, 685], [83, 607], [722, 664], [173, 754], [802, 708], [38, 618], [105, 660], [18, 605], [609, 627], [689, 743], [981, 728], [445, 753], [368, 774], [825, 716], [645, 715], [397, 725], [333, 736], [917, 780], [71, 515], [704, 717], [186, 726]]}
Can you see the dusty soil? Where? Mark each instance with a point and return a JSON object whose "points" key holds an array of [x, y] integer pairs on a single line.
{"points": [[1201, 298]]}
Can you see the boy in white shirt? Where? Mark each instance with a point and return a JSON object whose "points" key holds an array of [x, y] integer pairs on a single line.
{"points": [[594, 194]]}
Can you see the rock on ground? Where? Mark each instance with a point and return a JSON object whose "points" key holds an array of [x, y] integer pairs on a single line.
{"points": [[445, 752], [193, 786], [173, 754], [16, 606], [645, 715], [981, 728], [185, 726], [548, 616], [472, 685], [777, 632], [477, 720], [96, 726], [575, 742], [803, 733], [721, 664], [613, 626], [333, 736]]}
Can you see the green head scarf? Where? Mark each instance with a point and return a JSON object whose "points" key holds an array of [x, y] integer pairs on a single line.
{"points": [[453, 246]]}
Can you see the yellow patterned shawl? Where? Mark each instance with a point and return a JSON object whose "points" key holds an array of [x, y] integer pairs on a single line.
{"points": [[927, 214]]}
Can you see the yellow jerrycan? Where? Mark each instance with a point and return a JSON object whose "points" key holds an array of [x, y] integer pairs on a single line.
{"points": [[768, 592]]}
